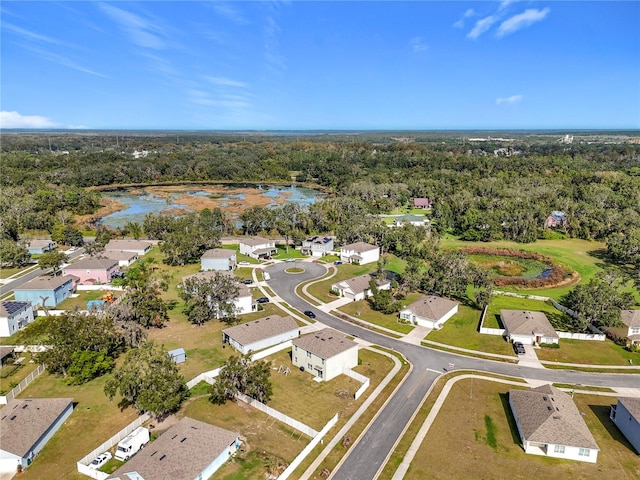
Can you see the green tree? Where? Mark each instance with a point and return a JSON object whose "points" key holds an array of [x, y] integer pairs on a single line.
{"points": [[12, 254], [241, 375], [149, 381], [87, 365], [52, 260], [211, 297]]}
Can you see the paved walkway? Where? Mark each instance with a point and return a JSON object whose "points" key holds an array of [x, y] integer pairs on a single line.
{"points": [[327, 307], [529, 359], [415, 336]]}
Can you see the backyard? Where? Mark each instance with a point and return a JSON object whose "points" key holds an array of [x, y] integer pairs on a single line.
{"points": [[560, 321], [363, 311]]}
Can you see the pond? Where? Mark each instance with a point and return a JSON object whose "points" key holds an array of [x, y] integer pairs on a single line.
{"points": [[180, 199]]}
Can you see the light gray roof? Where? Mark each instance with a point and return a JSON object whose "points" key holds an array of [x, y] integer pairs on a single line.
{"points": [[180, 453], [411, 218], [632, 404], [219, 253], [360, 247], [243, 289], [9, 308], [431, 307], [118, 255], [93, 263], [127, 245], [261, 329], [23, 421], [39, 243], [361, 283], [548, 415], [631, 318], [46, 283], [255, 241], [525, 322], [324, 343]]}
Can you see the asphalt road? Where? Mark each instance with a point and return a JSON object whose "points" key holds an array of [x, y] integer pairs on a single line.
{"points": [[370, 452]]}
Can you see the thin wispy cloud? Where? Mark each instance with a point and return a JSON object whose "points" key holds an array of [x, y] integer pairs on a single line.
{"points": [[482, 26], [226, 82], [63, 61], [141, 31], [505, 3], [271, 44], [417, 45], [512, 100], [229, 12], [17, 120], [35, 37], [468, 14], [522, 20]]}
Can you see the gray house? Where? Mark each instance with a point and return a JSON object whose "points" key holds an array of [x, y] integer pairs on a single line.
{"points": [[261, 333], [218, 259], [26, 425], [317, 246], [189, 450], [626, 416]]}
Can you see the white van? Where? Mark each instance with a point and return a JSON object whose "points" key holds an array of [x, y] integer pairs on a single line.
{"points": [[266, 276], [130, 444]]}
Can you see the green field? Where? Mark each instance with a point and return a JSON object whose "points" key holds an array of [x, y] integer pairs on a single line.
{"points": [[363, 311]]}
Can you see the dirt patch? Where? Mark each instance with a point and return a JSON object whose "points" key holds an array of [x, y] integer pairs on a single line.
{"points": [[108, 206]]}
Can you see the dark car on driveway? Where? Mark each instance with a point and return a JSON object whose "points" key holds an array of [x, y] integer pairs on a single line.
{"points": [[309, 314], [518, 347], [263, 300], [248, 281]]}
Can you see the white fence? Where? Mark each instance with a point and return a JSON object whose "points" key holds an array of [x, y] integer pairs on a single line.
{"points": [[204, 377], [301, 427], [306, 450], [22, 385], [360, 378], [83, 463], [270, 351], [100, 288], [489, 331], [583, 336]]}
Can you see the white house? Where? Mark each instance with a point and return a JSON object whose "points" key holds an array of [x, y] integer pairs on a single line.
{"points": [[257, 247], [243, 302], [218, 259], [550, 424], [626, 416], [360, 253], [359, 288], [528, 327], [14, 316], [317, 246], [414, 220], [325, 353], [429, 311], [188, 450], [136, 246], [261, 333], [124, 258], [630, 327], [26, 425]]}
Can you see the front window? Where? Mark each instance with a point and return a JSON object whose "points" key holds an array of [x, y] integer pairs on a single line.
{"points": [[584, 452], [558, 449]]}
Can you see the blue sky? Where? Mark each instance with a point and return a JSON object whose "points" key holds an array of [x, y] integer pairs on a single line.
{"points": [[320, 65]]}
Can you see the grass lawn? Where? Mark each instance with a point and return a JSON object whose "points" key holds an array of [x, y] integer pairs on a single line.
{"points": [[587, 352], [474, 436], [461, 331], [93, 421], [394, 264], [11, 374], [25, 335], [8, 272], [81, 298], [293, 253], [502, 302], [362, 310], [320, 290]]}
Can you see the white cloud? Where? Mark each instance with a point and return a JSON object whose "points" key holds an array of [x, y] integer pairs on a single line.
{"points": [[482, 26], [36, 37], [505, 3], [418, 45], [77, 127], [64, 61], [229, 12], [513, 99], [522, 20], [226, 82], [468, 14], [138, 28], [16, 120]]}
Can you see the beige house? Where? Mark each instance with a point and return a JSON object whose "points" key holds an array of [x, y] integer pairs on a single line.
{"points": [[136, 246], [631, 327], [529, 328], [359, 288], [430, 311], [325, 353], [550, 424], [261, 333]]}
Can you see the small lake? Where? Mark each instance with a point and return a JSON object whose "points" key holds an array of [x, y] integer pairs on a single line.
{"points": [[232, 199]]}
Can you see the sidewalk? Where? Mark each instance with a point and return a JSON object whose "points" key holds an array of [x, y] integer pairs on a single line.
{"points": [[415, 336], [529, 359]]}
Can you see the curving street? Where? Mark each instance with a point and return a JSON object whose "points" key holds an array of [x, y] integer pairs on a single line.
{"points": [[369, 453]]}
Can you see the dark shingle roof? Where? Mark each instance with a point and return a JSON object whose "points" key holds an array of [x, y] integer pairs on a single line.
{"points": [[324, 343], [261, 329]]}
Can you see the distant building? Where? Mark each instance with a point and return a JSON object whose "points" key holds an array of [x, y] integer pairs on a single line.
{"points": [[14, 316], [425, 203], [218, 259], [136, 246], [556, 219], [257, 247], [415, 220], [178, 355], [360, 253], [37, 246], [243, 302], [124, 258], [317, 246], [630, 328]]}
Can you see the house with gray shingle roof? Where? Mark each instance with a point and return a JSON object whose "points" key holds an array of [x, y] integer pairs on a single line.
{"points": [[360, 253], [136, 246], [626, 416], [218, 259], [359, 288], [92, 270], [325, 353], [261, 333], [46, 290], [37, 246], [257, 247], [188, 450], [549, 423], [429, 311], [528, 327], [26, 425], [14, 316], [630, 328], [410, 219]]}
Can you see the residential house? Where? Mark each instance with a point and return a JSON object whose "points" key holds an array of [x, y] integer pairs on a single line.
{"points": [[37, 246], [26, 425], [631, 327], [425, 203], [218, 259], [429, 311], [359, 288], [626, 415], [14, 316], [317, 246], [92, 270], [124, 258], [325, 353], [550, 424], [360, 253], [136, 246], [409, 219], [556, 219], [261, 333], [188, 450], [529, 328], [243, 302], [257, 247], [46, 291], [6, 353]]}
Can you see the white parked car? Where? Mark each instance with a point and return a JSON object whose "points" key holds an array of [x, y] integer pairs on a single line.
{"points": [[244, 263], [100, 460]]}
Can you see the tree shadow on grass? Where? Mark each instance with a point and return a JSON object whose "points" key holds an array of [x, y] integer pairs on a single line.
{"points": [[602, 413], [504, 398]]}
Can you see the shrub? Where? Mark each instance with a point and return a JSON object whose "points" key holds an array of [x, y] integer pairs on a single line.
{"points": [[550, 345]]}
